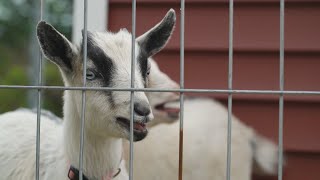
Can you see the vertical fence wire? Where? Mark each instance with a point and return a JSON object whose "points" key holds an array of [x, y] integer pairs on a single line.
{"points": [[134, 8], [281, 99], [83, 105], [230, 75], [39, 105], [182, 24]]}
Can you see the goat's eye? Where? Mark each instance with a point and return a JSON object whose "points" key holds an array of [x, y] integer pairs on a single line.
{"points": [[91, 75]]}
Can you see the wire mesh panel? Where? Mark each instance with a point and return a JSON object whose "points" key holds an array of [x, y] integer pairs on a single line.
{"points": [[230, 91]]}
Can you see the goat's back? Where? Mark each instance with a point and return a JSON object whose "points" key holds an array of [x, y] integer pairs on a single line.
{"points": [[18, 147], [205, 146]]}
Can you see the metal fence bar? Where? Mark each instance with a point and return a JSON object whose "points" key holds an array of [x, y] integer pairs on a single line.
{"points": [[281, 100], [133, 64], [182, 90], [39, 105], [230, 75], [186, 90], [182, 24], [83, 105]]}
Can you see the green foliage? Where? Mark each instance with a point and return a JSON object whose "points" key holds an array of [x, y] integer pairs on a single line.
{"points": [[15, 21], [53, 98], [18, 17], [10, 98], [18, 20]]}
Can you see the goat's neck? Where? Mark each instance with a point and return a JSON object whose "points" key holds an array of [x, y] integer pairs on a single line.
{"points": [[101, 155]]}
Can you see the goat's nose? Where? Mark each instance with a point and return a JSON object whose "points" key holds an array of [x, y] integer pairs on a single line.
{"points": [[142, 109]]}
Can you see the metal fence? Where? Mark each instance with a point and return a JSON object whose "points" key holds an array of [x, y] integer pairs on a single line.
{"points": [[230, 91]]}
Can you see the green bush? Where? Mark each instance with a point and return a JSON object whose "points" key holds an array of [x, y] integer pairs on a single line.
{"points": [[17, 27], [53, 98], [13, 98]]}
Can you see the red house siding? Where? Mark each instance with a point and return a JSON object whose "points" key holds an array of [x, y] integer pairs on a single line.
{"points": [[256, 64]]}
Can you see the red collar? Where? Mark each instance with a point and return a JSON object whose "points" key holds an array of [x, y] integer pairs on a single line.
{"points": [[73, 174]]}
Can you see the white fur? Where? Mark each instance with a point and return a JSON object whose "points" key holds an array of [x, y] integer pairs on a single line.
{"points": [[205, 141], [17, 157], [265, 156], [60, 143], [205, 146], [160, 80]]}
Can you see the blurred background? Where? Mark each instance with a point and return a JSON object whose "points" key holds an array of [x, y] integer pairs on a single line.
{"points": [[19, 51], [256, 59]]}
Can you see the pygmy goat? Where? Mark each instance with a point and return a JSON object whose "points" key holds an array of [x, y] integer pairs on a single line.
{"points": [[205, 140], [107, 112]]}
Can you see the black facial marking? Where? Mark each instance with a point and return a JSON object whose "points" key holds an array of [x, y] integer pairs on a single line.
{"points": [[54, 46], [143, 64], [102, 62]]}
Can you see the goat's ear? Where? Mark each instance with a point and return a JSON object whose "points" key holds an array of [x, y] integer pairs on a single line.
{"points": [[55, 46], [157, 37]]}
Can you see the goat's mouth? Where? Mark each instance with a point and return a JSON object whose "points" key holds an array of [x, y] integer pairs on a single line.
{"points": [[171, 111], [140, 130]]}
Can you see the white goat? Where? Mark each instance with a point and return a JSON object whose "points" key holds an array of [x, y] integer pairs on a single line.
{"points": [[107, 113], [205, 140]]}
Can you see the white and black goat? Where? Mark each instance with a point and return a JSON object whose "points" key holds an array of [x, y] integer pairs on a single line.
{"points": [[205, 140], [107, 113]]}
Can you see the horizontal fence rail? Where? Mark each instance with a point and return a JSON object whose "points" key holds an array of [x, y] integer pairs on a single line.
{"points": [[186, 90]]}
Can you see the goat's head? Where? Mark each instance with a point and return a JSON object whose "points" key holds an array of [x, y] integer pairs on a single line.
{"points": [[108, 65], [164, 104]]}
